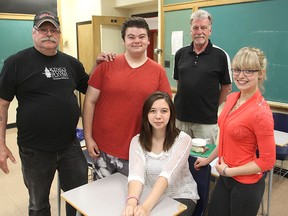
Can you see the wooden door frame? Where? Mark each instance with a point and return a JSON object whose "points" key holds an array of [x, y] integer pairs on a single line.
{"points": [[87, 61], [97, 21]]}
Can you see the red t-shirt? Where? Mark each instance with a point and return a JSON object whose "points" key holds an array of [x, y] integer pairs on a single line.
{"points": [[118, 110]]}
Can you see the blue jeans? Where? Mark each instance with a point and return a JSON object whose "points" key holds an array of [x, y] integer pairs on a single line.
{"points": [[39, 167]]}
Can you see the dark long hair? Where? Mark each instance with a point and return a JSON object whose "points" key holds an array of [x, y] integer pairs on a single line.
{"points": [[146, 133]]}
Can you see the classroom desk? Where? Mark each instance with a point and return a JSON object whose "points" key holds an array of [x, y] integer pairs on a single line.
{"points": [[281, 138], [108, 196]]}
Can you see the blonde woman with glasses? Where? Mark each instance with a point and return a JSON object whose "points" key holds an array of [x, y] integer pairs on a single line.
{"points": [[246, 146]]}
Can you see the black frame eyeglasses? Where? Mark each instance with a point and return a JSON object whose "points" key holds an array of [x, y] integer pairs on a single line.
{"points": [[246, 72], [44, 31]]}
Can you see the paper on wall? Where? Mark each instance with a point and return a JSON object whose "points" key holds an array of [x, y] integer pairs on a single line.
{"points": [[176, 41]]}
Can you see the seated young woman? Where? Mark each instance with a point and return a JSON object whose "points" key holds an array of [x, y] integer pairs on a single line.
{"points": [[158, 159]]}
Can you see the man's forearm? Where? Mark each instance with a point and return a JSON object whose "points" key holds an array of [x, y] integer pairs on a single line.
{"points": [[224, 91], [4, 105]]}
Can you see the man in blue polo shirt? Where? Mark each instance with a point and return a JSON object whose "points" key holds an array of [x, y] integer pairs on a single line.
{"points": [[202, 71]]}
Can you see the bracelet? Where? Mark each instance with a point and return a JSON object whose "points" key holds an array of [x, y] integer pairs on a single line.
{"points": [[132, 197], [224, 173]]}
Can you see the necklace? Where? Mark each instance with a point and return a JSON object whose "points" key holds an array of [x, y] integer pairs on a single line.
{"points": [[236, 106]]}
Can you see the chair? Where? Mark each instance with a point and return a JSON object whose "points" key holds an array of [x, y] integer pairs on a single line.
{"points": [[282, 155], [90, 163], [281, 124], [280, 121], [80, 136], [202, 178]]}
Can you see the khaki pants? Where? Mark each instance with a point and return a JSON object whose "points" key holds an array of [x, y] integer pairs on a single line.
{"points": [[205, 131]]}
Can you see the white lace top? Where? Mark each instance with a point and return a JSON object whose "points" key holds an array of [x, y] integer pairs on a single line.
{"points": [[146, 167]]}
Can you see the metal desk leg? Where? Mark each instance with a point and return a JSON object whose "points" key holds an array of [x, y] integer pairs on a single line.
{"points": [[270, 181], [262, 207], [58, 195]]}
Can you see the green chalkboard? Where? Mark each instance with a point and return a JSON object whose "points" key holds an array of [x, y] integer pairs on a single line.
{"points": [[15, 35], [262, 24], [172, 20]]}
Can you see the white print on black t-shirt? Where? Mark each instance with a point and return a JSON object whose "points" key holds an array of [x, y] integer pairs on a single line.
{"points": [[56, 73]]}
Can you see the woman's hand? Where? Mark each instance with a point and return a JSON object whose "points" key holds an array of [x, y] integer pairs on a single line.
{"points": [[141, 211], [129, 210], [221, 167]]}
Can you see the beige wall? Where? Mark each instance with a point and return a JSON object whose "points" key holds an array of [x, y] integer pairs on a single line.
{"points": [[71, 12], [133, 3], [142, 10], [108, 10]]}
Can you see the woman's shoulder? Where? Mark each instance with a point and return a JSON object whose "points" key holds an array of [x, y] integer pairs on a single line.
{"points": [[183, 143], [183, 137], [135, 138], [135, 143], [233, 95], [183, 134]]}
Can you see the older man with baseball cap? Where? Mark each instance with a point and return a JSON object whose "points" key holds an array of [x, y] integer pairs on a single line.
{"points": [[46, 16], [46, 32], [43, 80]]}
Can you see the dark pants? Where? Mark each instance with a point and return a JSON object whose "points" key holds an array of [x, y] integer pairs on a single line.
{"points": [[39, 167], [232, 198]]}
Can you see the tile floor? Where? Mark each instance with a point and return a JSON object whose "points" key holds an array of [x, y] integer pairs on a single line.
{"points": [[13, 193], [14, 197]]}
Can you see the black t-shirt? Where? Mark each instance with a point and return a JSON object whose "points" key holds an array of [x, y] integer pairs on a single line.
{"points": [[200, 77], [48, 112]]}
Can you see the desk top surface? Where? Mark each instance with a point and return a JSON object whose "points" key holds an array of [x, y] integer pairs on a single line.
{"points": [[108, 196], [281, 138]]}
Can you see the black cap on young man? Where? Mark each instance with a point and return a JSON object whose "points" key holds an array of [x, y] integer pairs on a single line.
{"points": [[46, 16]]}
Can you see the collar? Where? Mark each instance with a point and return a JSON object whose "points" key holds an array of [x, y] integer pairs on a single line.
{"points": [[207, 50]]}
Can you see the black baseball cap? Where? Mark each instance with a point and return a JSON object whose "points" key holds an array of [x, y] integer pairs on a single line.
{"points": [[46, 16]]}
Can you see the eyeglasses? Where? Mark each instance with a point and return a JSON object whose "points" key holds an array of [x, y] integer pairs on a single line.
{"points": [[246, 72], [203, 28], [44, 31]]}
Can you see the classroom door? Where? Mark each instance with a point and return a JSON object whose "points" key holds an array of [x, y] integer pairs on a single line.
{"points": [[153, 45], [107, 34]]}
